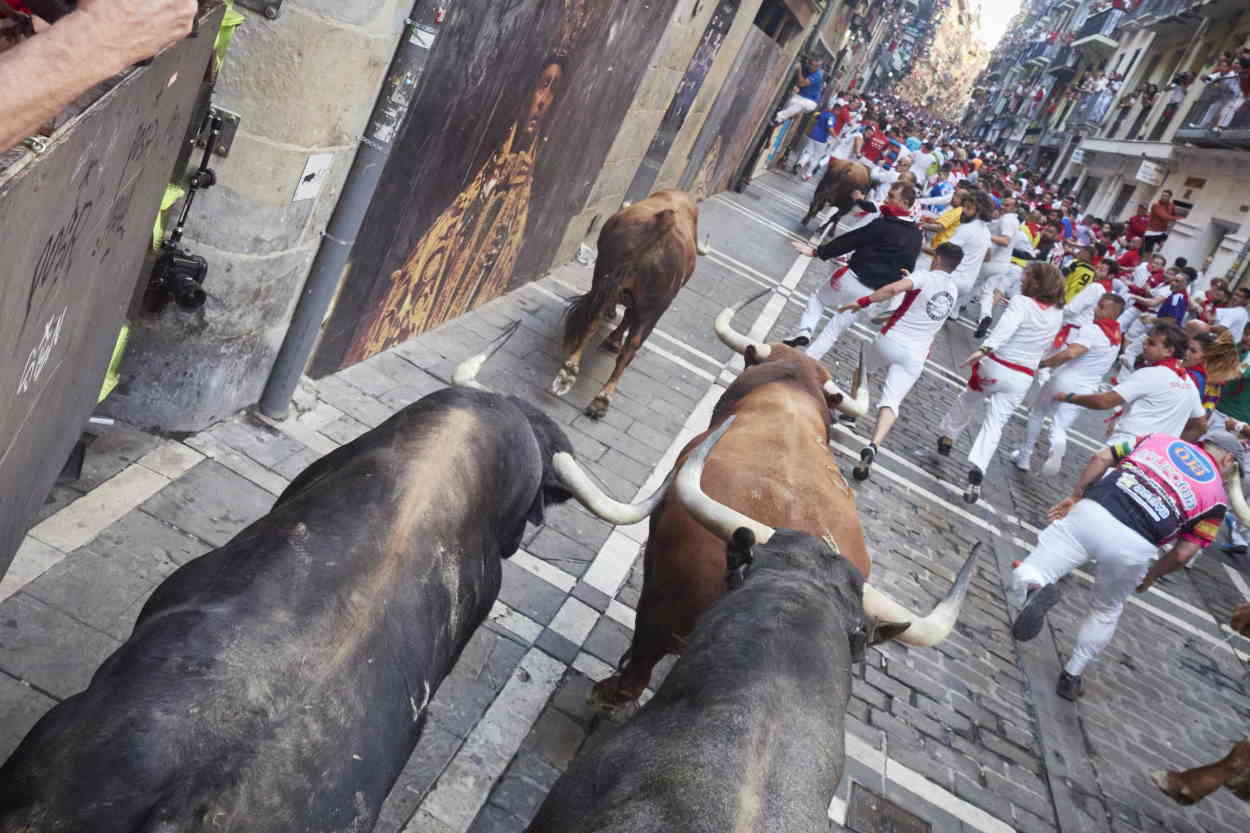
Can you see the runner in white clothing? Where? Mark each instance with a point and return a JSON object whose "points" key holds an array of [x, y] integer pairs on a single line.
{"points": [[1001, 286], [1160, 398], [905, 339], [973, 236], [1003, 368], [1081, 366], [1002, 237]]}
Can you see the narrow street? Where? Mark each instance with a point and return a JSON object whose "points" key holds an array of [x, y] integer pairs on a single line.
{"points": [[968, 737]]}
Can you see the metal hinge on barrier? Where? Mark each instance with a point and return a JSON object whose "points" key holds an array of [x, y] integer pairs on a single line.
{"points": [[225, 138], [269, 8]]}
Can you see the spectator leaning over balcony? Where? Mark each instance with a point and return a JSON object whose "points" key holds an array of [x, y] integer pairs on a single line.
{"points": [[1238, 82], [43, 74]]}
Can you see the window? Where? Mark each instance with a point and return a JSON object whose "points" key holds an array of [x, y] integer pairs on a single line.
{"points": [[777, 21]]}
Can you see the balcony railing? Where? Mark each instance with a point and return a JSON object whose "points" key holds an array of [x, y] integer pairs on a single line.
{"points": [[1102, 24], [1090, 110], [1064, 62], [1155, 11], [1039, 53], [1219, 116]]}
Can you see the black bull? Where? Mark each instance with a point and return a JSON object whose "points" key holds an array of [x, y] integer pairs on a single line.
{"points": [[280, 682], [747, 731]]}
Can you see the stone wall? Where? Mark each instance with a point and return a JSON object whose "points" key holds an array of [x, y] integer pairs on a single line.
{"points": [[303, 84], [667, 67]]}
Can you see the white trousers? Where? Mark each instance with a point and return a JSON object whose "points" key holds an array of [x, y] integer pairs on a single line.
{"points": [[1000, 278], [903, 362], [813, 154], [1062, 416], [797, 104], [1003, 390], [1124, 556], [848, 289]]}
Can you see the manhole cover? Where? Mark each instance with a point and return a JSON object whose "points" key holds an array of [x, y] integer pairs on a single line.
{"points": [[870, 813]]}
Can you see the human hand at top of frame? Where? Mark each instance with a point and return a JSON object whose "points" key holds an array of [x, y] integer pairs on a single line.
{"points": [[134, 30]]}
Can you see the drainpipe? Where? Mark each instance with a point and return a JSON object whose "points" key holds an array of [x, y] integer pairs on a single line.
{"points": [[743, 177], [349, 214]]}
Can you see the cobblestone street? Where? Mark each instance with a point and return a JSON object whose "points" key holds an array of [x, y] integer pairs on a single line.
{"points": [[969, 736]]}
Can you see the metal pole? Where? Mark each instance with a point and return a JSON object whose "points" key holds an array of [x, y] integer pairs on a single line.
{"points": [[349, 214]]}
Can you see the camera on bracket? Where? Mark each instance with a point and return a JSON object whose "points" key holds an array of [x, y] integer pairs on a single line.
{"points": [[182, 275]]}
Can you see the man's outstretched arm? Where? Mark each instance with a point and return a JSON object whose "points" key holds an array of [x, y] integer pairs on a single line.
{"points": [[44, 73]]}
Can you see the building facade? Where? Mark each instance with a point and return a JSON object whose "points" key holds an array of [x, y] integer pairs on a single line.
{"points": [[1118, 101]]}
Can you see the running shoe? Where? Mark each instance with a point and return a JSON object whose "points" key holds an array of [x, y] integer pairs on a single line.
{"points": [[1070, 687], [866, 455], [800, 339], [945, 444], [983, 327], [1019, 460], [1032, 616]]}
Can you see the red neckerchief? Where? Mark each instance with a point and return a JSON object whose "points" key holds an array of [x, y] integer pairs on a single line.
{"points": [[894, 211], [1111, 329], [1106, 284], [1156, 278], [1173, 364], [1042, 304]]}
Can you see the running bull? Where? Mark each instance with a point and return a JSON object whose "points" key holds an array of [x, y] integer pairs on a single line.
{"points": [[1232, 771], [837, 188], [775, 465], [747, 731], [280, 682], [646, 254]]}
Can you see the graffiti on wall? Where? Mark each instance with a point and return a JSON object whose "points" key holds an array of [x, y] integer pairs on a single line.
{"points": [[519, 105], [740, 108], [683, 99]]}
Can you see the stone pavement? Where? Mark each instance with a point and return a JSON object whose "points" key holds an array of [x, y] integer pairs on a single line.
{"points": [[968, 736]]}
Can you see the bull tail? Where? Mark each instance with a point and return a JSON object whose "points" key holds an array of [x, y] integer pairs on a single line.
{"points": [[612, 268]]}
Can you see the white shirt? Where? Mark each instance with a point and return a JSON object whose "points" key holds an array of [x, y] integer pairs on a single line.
{"points": [[1159, 402], [1232, 318], [974, 238], [882, 178], [924, 310], [920, 162], [1082, 374], [1025, 331], [1080, 310], [1005, 226]]}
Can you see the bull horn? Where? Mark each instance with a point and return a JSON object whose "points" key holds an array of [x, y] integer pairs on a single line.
{"points": [[1236, 497], [589, 494], [929, 630], [856, 404], [704, 248], [735, 340], [465, 374], [719, 519]]}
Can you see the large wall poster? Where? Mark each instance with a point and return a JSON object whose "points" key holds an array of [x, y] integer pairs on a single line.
{"points": [[519, 105]]}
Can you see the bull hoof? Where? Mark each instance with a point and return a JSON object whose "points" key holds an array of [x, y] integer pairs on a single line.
{"points": [[607, 699], [598, 407], [565, 379], [610, 346], [1163, 780]]}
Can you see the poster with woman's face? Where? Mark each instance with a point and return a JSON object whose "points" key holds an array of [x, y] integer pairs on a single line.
{"points": [[518, 107]]}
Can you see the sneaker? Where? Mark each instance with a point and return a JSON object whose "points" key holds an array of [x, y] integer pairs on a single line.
{"points": [[866, 455], [1054, 462], [1069, 687], [800, 339], [973, 492], [983, 327], [945, 444], [1019, 460], [1032, 616]]}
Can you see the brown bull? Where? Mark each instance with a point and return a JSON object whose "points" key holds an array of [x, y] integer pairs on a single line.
{"points": [[646, 254], [774, 466], [1232, 771], [1193, 785], [841, 180]]}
